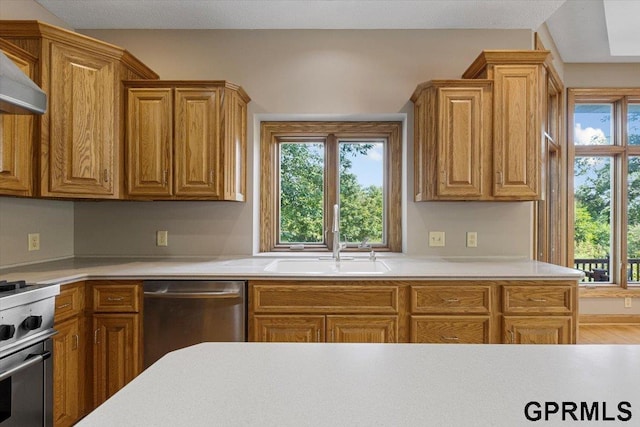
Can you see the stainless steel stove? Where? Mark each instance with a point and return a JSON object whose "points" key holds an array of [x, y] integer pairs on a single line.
{"points": [[26, 328]]}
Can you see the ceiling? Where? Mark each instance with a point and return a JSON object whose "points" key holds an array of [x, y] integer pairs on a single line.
{"points": [[583, 30]]}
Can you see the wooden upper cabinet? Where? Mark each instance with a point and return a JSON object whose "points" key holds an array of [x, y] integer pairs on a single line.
{"points": [[149, 148], [81, 153], [16, 135], [519, 118], [186, 140], [78, 139], [481, 137], [197, 141], [517, 138], [451, 139]]}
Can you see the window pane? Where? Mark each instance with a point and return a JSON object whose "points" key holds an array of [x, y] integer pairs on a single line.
{"points": [[592, 124], [361, 195], [633, 125], [633, 234], [592, 193], [301, 193]]}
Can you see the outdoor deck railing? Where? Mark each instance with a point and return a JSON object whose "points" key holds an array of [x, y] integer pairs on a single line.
{"points": [[597, 269]]}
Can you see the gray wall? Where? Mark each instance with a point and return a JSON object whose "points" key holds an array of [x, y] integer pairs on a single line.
{"points": [[298, 73], [52, 219]]}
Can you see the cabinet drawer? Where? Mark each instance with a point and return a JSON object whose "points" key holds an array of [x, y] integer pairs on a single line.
{"points": [[537, 299], [321, 298], [116, 298], [451, 329], [70, 301], [451, 299]]}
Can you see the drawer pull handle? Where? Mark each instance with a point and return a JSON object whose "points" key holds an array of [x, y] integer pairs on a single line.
{"points": [[451, 299], [60, 307], [76, 342], [115, 298], [318, 335], [450, 338], [538, 299], [512, 339]]}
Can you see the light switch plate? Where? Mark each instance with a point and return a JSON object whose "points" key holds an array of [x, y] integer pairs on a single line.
{"points": [[436, 238]]}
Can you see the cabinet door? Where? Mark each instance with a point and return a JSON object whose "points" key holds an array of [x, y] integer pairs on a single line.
{"points": [[80, 154], [67, 368], [234, 148], [197, 143], [362, 329], [149, 142], [288, 329], [538, 330], [16, 146], [460, 142], [451, 329], [517, 142], [116, 358]]}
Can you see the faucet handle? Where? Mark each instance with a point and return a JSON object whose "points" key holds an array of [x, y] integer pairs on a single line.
{"points": [[364, 244]]}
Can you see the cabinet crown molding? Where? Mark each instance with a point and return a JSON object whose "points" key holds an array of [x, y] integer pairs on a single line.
{"points": [[495, 57]]}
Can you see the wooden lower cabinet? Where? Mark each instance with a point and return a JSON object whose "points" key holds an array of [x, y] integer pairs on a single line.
{"points": [[289, 329], [330, 328], [116, 353], [69, 356], [451, 329], [474, 311], [362, 329], [538, 330], [68, 369]]}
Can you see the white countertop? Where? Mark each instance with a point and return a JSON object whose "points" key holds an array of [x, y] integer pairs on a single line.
{"points": [[401, 267], [267, 384]]}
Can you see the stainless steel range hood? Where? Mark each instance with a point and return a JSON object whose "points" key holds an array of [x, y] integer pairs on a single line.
{"points": [[18, 93]]}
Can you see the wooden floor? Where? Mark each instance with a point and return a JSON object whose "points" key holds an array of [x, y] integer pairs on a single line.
{"points": [[609, 334]]}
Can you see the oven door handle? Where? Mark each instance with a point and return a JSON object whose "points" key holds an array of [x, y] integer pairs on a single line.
{"points": [[32, 359]]}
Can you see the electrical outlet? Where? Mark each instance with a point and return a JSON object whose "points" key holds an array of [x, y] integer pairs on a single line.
{"points": [[33, 241], [436, 238], [472, 239], [627, 302], [162, 238]]}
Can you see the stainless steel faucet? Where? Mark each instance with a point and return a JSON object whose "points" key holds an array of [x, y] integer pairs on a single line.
{"points": [[337, 246]]}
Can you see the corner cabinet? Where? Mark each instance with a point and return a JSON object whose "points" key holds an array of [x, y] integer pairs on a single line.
{"points": [[186, 140], [481, 137], [452, 139], [78, 139]]}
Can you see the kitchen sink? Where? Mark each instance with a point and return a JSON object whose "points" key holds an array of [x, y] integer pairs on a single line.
{"points": [[327, 266]]}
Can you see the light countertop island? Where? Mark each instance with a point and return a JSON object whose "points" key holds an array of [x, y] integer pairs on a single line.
{"points": [[261, 384]]}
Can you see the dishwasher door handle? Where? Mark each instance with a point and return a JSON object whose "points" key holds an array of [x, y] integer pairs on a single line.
{"points": [[210, 294]]}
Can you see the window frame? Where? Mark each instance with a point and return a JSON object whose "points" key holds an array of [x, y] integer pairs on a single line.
{"points": [[273, 132], [619, 152]]}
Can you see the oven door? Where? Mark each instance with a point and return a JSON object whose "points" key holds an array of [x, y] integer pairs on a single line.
{"points": [[26, 387]]}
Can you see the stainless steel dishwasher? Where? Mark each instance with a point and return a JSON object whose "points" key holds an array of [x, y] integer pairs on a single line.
{"points": [[180, 313]]}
